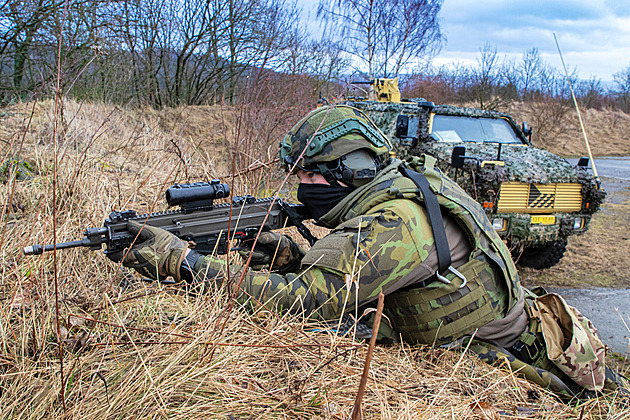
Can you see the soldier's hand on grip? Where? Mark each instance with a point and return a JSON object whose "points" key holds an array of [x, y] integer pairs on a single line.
{"points": [[155, 253], [274, 248]]}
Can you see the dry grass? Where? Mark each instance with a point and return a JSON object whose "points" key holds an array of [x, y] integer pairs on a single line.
{"points": [[557, 128], [151, 351]]}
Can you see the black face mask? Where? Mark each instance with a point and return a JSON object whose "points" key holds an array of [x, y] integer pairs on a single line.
{"points": [[319, 199]]}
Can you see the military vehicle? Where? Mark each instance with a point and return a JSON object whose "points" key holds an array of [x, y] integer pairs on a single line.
{"points": [[534, 199]]}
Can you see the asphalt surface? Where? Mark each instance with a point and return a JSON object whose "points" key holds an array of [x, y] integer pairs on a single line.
{"points": [[614, 172], [614, 167], [608, 309]]}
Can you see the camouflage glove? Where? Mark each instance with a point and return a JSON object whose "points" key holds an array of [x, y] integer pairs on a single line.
{"points": [[285, 254], [156, 253]]}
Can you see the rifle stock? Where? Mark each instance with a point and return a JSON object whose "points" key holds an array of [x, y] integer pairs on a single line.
{"points": [[208, 227]]}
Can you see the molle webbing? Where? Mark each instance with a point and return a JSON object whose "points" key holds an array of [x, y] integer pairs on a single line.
{"points": [[440, 313]]}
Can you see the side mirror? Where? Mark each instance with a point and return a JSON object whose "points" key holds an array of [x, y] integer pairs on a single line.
{"points": [[583, 162], [406, 130], [402, 126], [457, 157]]}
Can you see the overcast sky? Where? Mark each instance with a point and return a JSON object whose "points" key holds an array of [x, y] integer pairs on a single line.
{"points": [[594, 35]]}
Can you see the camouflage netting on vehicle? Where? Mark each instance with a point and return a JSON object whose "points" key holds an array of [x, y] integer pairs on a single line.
{"points": [[590, 191], [384, 114], [524, 233], [526, 164], [520, 164], [471, 112]]}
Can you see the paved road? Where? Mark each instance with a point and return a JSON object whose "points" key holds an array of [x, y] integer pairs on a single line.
{"points": [[609, 309], [614, 173], [614, 167]]}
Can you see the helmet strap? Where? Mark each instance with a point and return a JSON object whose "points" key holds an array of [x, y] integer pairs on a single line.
{"points": [[382, 161]]}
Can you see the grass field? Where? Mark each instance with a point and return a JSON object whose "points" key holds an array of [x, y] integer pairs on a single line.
{"points": [[82, 338]]}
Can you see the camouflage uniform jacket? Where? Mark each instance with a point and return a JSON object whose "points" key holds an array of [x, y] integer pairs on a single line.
{"points": [[380, 239]]}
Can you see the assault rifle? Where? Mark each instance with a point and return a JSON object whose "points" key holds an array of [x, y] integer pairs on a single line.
{"points": [[207, 226]]}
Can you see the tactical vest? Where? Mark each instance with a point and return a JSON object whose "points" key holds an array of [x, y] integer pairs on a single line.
{"points": [[437, 312]]}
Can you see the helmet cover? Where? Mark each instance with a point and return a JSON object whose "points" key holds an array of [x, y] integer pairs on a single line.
{"points": [[328, 133]]}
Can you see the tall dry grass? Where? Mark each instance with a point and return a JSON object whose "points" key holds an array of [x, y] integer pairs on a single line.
{"points": [[557, 128], [82, 338]]}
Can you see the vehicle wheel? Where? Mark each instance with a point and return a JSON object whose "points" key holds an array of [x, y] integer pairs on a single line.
{"points": [[543, 256]]}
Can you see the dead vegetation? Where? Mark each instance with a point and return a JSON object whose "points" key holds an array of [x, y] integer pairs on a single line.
{"points": [[83, 338], [556, 128]]}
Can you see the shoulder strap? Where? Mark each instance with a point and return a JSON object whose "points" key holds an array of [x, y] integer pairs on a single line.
{"points": [[435, 217]]}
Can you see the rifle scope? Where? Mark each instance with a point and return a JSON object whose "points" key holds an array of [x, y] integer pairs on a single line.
{"points": [[181, 194]]}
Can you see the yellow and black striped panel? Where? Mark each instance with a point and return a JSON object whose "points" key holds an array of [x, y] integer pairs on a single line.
{"points": [[539, 198], [568, 197], [513, 197]]}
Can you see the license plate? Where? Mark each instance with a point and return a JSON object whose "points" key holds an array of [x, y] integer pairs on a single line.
{"points": [[543, 220]]}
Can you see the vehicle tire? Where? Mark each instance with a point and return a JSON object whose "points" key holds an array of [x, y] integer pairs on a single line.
{"points": [[543, 256]]}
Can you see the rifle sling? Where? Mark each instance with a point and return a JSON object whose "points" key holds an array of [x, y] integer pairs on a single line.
{"points": [[435, 218]]}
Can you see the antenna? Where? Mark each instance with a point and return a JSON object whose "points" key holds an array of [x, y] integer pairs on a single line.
{"points": [[588, 147]]}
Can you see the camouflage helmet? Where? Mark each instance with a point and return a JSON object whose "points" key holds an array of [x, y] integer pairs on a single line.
{"points": [[315, 139]]}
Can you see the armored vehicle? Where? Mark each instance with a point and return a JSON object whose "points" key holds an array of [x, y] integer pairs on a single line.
{"points": [[534, 199]]}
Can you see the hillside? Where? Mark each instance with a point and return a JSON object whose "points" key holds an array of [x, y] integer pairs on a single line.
{"points": [[133, 349], [557, 128]]}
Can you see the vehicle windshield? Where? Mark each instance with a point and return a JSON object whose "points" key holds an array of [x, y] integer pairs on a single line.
{"points": [[452, 129]]}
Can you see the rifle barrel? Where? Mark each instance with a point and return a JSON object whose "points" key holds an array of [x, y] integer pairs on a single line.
{"points": [[39, 249]]}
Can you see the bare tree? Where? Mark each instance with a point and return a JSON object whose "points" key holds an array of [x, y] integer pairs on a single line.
{"points": [[590, 93], [258, 32], [383, 36], [20, 24], [34, 32], [78, 29], [622, 79], [156, 52], [530, 68], [323, 59], [483, 80], [200, 50]]}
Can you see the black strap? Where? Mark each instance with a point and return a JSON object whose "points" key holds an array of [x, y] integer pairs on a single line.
{"points": [[328, 175], [435, 217], [527, 353]]}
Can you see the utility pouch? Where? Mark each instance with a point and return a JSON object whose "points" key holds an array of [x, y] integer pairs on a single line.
{"points": [[572, 342]]}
